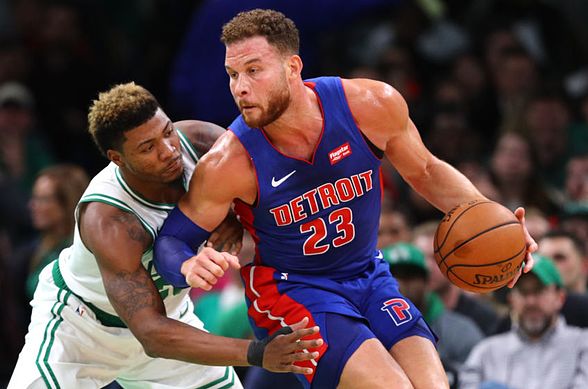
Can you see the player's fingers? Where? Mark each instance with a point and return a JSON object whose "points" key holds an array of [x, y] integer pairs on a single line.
{"points": [[297, 369], [301, 333], [232, 260], [211, 254], [207, 276], [529, 263], [515, 279], [210, 266], [213, 239], [236, 247], [307, 344], [302, 356], [531, 244], [195, 281], [301, 324]]}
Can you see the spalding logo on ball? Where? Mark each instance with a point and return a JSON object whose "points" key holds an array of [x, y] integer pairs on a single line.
{"points": [[480, 246]]}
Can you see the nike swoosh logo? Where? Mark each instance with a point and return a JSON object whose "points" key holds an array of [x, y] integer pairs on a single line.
{"points": [[380, 255], [279, 182]]}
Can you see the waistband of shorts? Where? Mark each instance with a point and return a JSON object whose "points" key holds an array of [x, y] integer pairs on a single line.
{"points": [[105, 318]]}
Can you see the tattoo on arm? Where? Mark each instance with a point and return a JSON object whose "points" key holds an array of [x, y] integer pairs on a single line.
{"points": [[132, 291], [133, 227]]}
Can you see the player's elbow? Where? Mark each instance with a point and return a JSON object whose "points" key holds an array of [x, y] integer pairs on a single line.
{"points": [[153, 339]]}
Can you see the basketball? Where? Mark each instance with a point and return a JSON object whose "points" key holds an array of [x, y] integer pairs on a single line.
{"points": [[479, 246]]}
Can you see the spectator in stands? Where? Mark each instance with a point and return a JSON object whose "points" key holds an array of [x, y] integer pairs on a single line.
{"points": [[541, 350], [514, 172], [569, 255], [55, 194]]}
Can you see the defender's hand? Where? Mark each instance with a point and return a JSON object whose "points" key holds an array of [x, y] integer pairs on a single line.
{"points": [[204, 269], [282, 351], [531, 247], [228, 236]]}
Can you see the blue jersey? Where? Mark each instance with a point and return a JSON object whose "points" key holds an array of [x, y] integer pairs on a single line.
{"points": [[320, 216]]}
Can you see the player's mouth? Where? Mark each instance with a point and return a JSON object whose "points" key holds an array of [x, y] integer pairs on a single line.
{"points": [[247, 107], [175, 165]]}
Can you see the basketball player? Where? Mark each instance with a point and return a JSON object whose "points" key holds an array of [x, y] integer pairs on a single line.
{"points": [[302, 161], [101, 312]]}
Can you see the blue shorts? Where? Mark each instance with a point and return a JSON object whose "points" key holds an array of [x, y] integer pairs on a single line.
{"points": [[348, 313]]}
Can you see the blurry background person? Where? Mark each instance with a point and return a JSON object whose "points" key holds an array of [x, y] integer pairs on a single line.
{"points": [[569, 255], [24, 152], [55, 193], [541, 350], [395, 226]]}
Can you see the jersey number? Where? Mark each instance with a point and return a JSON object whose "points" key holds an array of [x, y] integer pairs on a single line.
{"points": [[343, 220]]}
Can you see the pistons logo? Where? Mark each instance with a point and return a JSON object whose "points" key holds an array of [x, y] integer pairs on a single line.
{"points": [[398, 309]]}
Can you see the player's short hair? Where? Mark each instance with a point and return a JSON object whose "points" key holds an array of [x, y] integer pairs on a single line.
{"points": [[120, 109], [280, 31]]}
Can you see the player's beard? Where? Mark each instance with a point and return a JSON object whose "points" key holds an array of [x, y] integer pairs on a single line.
{"points": [[277, 102]]}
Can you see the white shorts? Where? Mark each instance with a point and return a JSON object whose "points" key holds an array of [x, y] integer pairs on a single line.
{"points": [[67, 347]]}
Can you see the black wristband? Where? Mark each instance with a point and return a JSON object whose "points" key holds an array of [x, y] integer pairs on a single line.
{"points": [[257, 347]]}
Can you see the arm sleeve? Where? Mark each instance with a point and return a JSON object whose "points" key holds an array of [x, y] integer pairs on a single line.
{"points": [[177, 241]]}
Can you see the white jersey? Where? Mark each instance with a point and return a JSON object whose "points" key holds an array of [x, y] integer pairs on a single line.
{"points": [[78, 265], [75, 339]]}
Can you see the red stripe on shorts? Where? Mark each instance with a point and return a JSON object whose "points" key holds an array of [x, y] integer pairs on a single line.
{"points": [[272, 310]]}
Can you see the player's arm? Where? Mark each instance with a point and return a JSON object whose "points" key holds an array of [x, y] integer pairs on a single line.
{"points": [[223, 174], [118, 240], [228, 236], [382, 115]]}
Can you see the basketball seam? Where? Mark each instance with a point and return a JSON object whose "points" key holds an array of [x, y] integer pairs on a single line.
{"points": [[456, 219], [474, 237], [449, 269]]}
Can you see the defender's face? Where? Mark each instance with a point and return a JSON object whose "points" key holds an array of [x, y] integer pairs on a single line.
{"points": [[258, 82], [151, 151]]}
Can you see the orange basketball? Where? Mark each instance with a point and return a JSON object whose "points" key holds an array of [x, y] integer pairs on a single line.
{"points": [[479, 246]]}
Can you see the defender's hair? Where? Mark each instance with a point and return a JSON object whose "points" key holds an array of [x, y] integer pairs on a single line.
{"points": [[122, 108], [280, 31]]}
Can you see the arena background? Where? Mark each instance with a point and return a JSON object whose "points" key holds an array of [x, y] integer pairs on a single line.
{"points": [[473, 73]]}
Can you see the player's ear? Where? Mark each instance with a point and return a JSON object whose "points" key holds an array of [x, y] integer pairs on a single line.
{"points": [[115, 156], [295, 66]]}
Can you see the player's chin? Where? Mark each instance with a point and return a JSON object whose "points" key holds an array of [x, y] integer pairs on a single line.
{"points": [[172, 175]]}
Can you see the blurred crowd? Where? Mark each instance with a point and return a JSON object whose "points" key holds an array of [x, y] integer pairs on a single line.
{"points": [[497, 88]]}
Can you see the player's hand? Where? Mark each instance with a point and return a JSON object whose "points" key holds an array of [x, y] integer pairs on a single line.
{"points": [[281, 353], [531, 247], [228, 236], [204, 269]]}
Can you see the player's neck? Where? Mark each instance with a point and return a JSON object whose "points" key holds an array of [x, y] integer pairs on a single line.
{"points": [[300, 126]]}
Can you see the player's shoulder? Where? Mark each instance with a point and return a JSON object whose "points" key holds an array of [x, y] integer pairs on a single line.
{"points": [[368, 97], [201, 134], [365, 89], [226, 157]]}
